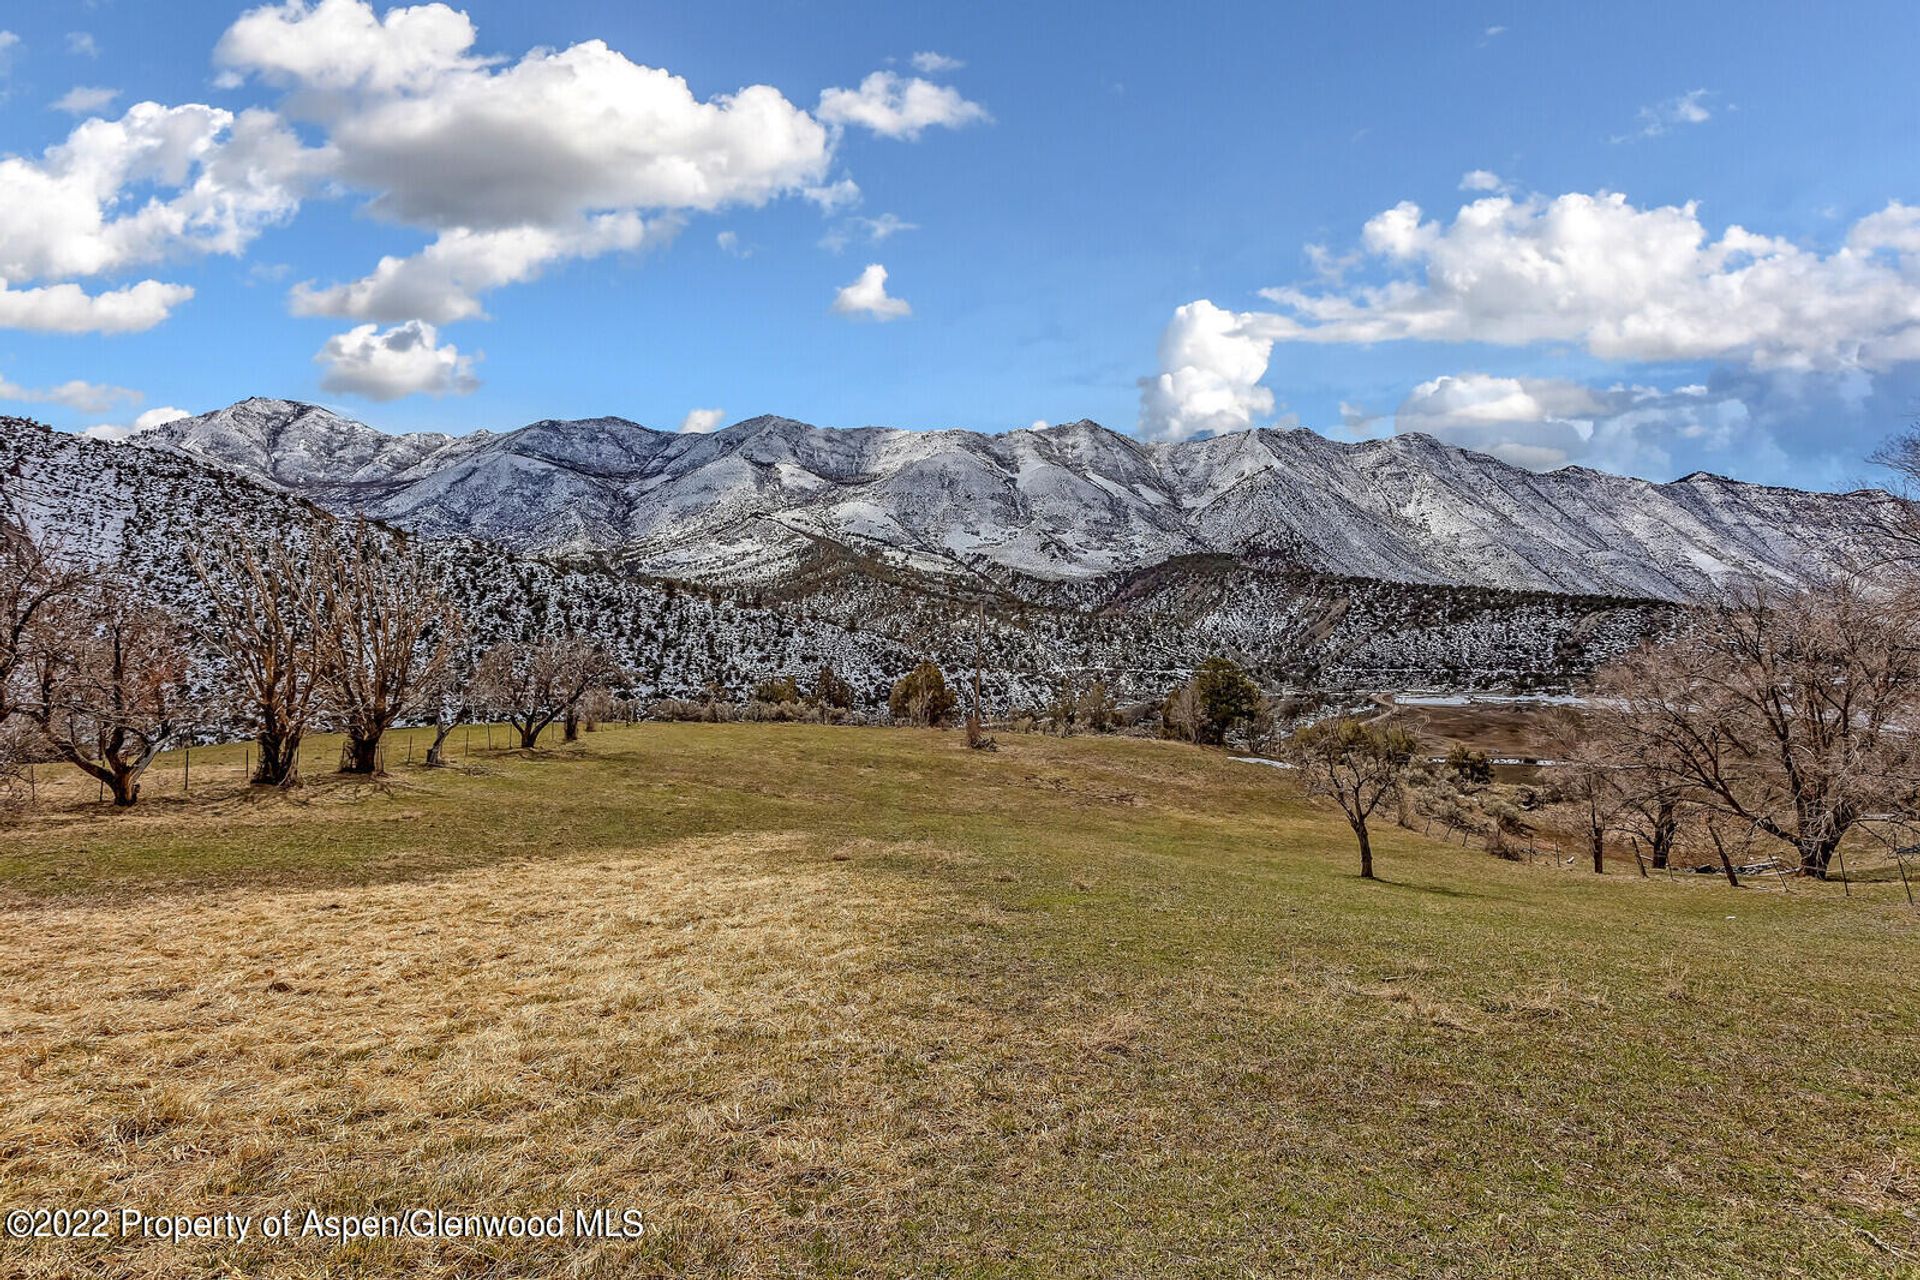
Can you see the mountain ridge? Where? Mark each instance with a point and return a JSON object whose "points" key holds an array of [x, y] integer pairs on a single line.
{"points": [[1065, 502]]}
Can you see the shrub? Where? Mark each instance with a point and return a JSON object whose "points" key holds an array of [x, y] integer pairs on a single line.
{"points": [[777, 689], [921, 697]]}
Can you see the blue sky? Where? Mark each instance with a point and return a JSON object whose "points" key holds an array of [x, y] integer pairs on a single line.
{"points": [[1505, 225]]}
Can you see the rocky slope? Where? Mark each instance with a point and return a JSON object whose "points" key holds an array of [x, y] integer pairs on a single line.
{"points": [[1067, 503], [854, 604], [146, 511]]}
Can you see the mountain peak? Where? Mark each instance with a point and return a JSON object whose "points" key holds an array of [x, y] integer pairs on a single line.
{"points": [[1068, 502]]}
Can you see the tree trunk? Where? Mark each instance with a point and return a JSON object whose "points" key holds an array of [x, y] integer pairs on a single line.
{"points": [[279, 762], [530, 735], [1366, 850], [572, 726], [1816, 856], [1597, 842], [441, 732], [361, 755], [1666, 825], [1726, 863], [121, 779]]}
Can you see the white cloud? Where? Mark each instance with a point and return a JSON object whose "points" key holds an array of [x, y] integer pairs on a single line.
{"points": [[1689, 108], [872, 230], [700, 421], [87, 397], [339, 45], [730, 244], [1624, 283], [212, 182], [867, 296], [159, 418], [1482, 180], [509, 164], [930, 63], [67, 308], [897, 108], [8, 43], [443, 139], [145, 422], [402, 361], [561, 154], [1541, 423], [1209, 380], [834, 196], [85, 100], [442, 283], [81, 44]]}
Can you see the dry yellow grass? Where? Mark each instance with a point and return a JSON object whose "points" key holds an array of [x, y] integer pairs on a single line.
{"points": [[861, 1003], [699, 1033]]}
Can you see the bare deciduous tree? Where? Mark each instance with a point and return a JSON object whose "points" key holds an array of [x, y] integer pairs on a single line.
{"points": [[109, 684], [532, 685], [267, 609], [1589, 773], [34, 581], [1790, 711], [385, 635], [1359, 764]]}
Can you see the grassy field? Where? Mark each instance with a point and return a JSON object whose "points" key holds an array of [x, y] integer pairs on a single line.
{"points": [[862, 1003]]}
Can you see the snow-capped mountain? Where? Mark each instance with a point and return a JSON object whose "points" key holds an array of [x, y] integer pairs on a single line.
{"points": [[147, 511], [1066, 503], [850, 605]]}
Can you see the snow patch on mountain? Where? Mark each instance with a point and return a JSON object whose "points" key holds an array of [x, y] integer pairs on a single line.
{"points": [[1061, 503]]}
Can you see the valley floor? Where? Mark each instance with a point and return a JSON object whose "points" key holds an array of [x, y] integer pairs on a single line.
{"points": [[862, 1003]]}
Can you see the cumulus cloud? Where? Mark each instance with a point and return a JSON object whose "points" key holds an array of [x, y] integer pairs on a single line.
{"points": [[1482, 180], [339, 45], [85, 100], [700, 421], [67, 308], [1209, 379], [510, 165], [211, 182], [899, 108], [867, 296], [87, 397], [443, 282], [81, 44], [930, 63], [1662, 117], [145, 422], [387, 364], [517, 164], [1623, 282], [445, 139]]}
